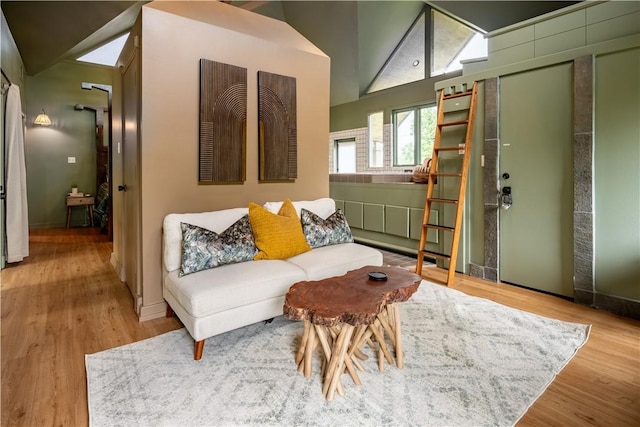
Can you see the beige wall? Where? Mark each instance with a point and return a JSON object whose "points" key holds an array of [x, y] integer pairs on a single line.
{"points": [[172, 46]]}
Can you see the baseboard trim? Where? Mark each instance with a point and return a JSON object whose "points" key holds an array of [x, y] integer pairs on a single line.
{"points": [[154, 311], [618, 305]]}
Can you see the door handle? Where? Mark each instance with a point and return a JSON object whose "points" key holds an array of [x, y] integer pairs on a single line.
{"points": [[506, 199], [122, 188]]}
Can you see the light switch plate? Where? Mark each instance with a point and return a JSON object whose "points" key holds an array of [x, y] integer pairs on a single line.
{"points": [[71, 159]]}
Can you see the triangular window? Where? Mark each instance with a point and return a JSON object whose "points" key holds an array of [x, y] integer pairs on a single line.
{"points": [[107, 54], [453, 42]]}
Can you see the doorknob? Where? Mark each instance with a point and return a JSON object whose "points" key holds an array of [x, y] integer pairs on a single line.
{"points": [[122, 188], [505, 175]]}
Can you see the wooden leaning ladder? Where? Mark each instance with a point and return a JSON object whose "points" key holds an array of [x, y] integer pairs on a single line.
{"points": [[444, 107]]}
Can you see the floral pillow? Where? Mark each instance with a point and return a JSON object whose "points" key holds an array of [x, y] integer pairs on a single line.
{"points": [[323, 232], [203, 249]]}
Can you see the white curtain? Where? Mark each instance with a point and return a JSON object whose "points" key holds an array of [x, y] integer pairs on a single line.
{"points": [[17, 217]]}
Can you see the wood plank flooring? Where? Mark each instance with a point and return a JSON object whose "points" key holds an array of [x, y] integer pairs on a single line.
{"points": [[65, 301]]}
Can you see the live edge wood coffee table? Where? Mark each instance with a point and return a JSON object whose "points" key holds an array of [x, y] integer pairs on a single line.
{"points": [[343, 314]]}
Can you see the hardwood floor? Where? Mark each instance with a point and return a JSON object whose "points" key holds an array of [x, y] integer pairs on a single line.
{"points": [[65, 301]]}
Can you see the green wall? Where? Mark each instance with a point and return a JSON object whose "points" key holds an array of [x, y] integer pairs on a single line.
{"points": [[354, 115], [617, 174], [613, 42], [49, 176]]}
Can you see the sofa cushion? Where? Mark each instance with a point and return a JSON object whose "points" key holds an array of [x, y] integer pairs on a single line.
{"points": [[336, 260], [321, 207], [277, 236], [203, 249], [323, 232], [216, 221], [232, 286]]}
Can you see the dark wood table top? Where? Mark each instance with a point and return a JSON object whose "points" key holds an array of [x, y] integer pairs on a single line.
{"points": [[353, 298]]}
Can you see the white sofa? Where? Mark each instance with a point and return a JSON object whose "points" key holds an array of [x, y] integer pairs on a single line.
{"points": [[224, 298]]}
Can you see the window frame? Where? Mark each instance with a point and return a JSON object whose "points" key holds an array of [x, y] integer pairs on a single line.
{"points": [[336, 155], [417, 136], [369, 141], [431, 73]]}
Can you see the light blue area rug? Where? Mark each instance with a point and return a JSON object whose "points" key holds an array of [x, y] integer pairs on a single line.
{"points": [[469, 362]]}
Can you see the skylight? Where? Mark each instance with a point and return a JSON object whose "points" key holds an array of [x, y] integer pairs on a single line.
{"points": [[106, 54]]}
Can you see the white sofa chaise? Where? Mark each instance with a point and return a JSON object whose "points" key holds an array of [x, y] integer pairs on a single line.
{"points": [[217, 300]]}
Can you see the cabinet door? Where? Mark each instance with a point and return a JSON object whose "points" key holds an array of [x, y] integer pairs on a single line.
{"points": [[536, 138]]}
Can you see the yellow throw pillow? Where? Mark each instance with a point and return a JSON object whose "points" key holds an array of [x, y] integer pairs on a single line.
{"points": [[277, 236]]}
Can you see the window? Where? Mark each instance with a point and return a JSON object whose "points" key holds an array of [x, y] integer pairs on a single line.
{"points": [[453, 42], [106, 54], [376, 140], [414, 131], [345, 155]]}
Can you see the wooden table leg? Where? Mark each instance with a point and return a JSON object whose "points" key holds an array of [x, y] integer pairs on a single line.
{"points": [[308, 352], [386, 323], [321, 332], [303, 343], [399, 351], [336, 366], [91, 215], [378, 332]]}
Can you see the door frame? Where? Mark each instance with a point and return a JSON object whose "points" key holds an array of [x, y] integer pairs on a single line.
{"points": [[583, 208]]}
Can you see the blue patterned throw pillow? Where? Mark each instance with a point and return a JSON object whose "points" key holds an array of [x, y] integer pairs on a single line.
{"points": [[323, 232], [203, 249]]}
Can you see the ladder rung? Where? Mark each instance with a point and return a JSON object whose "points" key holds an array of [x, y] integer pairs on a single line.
{"points": [[458, 95], [449, 114], [448, 148], [435, 255], [459, 175], [452, 201], [439, 227], [457, 122]]}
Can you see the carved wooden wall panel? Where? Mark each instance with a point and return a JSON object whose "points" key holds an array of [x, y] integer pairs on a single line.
{"points": [[223, 123], [277, 130]]}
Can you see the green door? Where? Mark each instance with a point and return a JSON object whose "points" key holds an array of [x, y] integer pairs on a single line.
{"points": [[536, 164]]}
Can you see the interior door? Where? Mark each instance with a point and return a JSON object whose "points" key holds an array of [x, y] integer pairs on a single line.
{"points": [[536, 169], [130, 180], [2, 172]]}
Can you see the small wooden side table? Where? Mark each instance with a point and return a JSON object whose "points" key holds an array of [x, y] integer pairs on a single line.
{"points": [[87, 201], [342, 313]]}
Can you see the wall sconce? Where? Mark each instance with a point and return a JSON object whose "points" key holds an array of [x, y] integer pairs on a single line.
{"points": [[42, 119]]}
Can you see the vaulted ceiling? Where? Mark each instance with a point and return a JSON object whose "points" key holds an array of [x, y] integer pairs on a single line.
{"points": [[358, 36]]}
